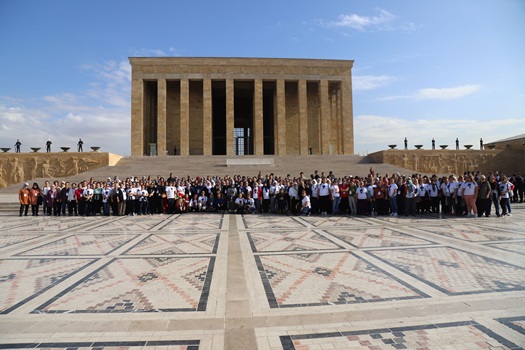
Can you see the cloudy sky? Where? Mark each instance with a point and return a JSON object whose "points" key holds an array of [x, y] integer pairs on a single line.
{"points": [[423, 69]]}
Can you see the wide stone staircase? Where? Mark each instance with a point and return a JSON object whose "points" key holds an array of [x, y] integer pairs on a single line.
{"points": [[217, 165]]}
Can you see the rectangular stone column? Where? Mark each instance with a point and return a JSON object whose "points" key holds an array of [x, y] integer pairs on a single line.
{"points": [[161, 117], [206, 117], [258, 128], [347, 116], [137, 117], [303, 118], [230, 117], [280, 120], [324, 119], [184, 117]]}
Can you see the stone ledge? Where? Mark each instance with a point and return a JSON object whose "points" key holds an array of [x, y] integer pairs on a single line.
{"points": [[250, 161]]}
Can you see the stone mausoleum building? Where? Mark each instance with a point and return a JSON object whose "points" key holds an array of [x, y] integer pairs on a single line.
{"points": [[241, 106]]}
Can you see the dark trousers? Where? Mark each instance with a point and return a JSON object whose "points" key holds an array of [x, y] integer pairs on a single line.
{"points": [[81, 207], [324, 203], [34, 209], [483, 206], [504, 204], [410, 206], [363, 207], [460, 206], [72, 208], [434, 203], [24, 208], [57, 207], [266, 205], [495, 201]]}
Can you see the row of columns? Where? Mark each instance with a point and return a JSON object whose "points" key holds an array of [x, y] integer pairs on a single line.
{"points": [[343, 106]]}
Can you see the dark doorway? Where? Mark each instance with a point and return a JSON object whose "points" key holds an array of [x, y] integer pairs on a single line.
{"points": [[218, 94], [243, 120], [150, 115], [268, 117], [242, 139]]}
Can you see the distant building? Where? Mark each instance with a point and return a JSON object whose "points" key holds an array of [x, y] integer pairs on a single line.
{"points": [[241, 106], [514, 142]]}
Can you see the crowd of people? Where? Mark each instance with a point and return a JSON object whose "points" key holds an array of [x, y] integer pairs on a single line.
{"points": [[472, 194]]}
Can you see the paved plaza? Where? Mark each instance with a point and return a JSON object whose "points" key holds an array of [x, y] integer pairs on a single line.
{"points": [[213, 281]]}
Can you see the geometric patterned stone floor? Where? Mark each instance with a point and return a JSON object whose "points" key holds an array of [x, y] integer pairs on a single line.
{"points": [[211, 281]]}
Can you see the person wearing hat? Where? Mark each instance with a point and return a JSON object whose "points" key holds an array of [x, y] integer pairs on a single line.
{"points": [[48, 145], [17, 146], [23, 197], [79, 145]]}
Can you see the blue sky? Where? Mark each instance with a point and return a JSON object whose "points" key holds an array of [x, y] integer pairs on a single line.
{"points": [[423, 69]]}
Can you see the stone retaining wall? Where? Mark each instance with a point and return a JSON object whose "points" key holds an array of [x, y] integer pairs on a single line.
{"points": [[20, 167], [454, 162]]}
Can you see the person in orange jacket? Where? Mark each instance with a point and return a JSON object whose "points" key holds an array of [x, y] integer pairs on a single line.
{"points": [[23, 197]]}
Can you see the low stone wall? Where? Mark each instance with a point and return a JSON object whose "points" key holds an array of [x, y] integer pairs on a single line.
{"points": [[454, 162], [20, 167], [249, 161]]}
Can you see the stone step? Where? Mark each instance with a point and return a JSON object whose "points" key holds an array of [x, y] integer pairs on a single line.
{"points": [[217, 165]]}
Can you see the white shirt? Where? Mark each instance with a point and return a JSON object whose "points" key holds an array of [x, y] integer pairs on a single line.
{"points": [[392, 190], [105, 195], [292, 192], [71, 194], [315, 190], [170, 192], [335, 190], [423, 190], [433, 189], [306, 202], [362, 193], [504, 188], [324, 190], [131, 193], [266, 193], [469, 188], [87, 192]]}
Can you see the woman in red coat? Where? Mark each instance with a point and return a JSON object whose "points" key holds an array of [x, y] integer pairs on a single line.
{"points": [[35, 198]]}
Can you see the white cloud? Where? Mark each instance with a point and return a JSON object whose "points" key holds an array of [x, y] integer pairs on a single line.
{"points": [[149, 53], [362, 23], [447, 93], [370, 82], [451, 93]]}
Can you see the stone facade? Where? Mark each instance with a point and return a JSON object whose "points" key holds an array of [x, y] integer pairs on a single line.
{"points": [[241, 106], [454, 162], [19, 167], [516, 143]]}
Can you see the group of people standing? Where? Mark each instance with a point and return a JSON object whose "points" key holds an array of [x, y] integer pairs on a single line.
{"points": [[471, 194], [80, 145]]}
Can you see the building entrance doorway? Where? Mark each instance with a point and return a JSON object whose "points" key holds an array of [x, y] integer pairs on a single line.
{"points": [[242, 141]]}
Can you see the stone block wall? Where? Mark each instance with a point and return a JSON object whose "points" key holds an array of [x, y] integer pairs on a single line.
{"points": [[19, 167], [454, 162]]}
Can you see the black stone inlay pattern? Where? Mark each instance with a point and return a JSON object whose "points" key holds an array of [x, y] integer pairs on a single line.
{"points": [[191, 344], [201, 307], [502, 287], [55, 282], [272, 300], [510, 322], [24, 253], [397, 334]]}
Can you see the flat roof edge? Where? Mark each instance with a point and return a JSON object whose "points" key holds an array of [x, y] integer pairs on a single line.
{"points": [[233, 60]]}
